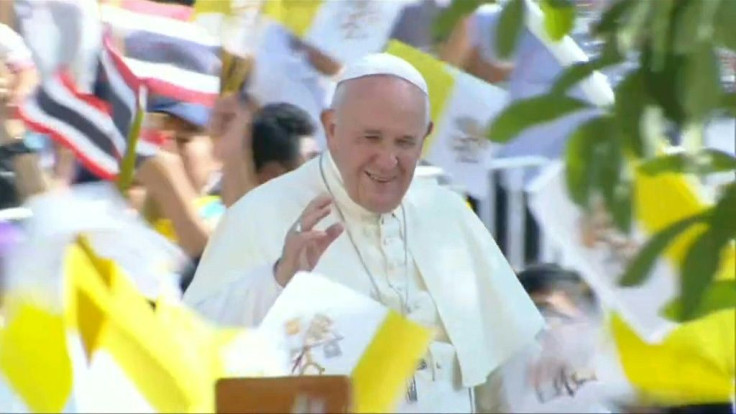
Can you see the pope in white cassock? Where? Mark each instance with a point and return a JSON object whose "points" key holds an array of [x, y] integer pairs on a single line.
{"points": [[356, 215]]}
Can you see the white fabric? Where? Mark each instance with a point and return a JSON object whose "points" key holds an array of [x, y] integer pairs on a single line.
{"points": [[62, 33], [384, 64], [13, 50], [484, 310], [283, 74]]}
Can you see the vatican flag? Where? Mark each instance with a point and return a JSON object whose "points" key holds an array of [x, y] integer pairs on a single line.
{"points": [[82, 335], [666, 362], [343, 30], [314, 321], [461, 107]]}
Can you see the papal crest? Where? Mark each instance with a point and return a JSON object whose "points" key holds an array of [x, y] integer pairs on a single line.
{"points": [[468, 143], [320, 333], [356, 18]]}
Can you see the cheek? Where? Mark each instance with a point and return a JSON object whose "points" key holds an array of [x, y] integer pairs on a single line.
{"points": [[407, 164]]}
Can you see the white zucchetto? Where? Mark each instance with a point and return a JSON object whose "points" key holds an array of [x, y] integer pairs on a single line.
{"points": [[383, 64]]}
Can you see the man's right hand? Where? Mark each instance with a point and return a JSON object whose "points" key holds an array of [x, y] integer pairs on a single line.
{"points": [[303, 245]]}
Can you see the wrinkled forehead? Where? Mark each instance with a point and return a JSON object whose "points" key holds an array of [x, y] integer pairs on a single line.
{"points": [[380, 91]]}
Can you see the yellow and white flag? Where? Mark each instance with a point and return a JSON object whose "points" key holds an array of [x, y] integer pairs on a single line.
{"points": [[35, 366], [343, 30], [461, 108], [329, 329], [94, 338], [669, 363]]}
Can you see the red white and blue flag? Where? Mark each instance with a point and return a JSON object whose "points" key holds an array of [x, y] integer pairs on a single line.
{"points": [[173, 56], [96, 127]]}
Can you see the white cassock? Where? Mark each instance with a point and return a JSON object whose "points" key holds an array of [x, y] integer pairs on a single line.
{"points": [[458, 281]]}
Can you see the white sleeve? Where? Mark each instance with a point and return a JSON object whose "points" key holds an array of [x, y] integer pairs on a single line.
{"points": [[244, 301]]}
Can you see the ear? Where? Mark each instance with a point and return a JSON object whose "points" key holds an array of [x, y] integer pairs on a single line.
{"points": [[328, 123], [430, 128]]}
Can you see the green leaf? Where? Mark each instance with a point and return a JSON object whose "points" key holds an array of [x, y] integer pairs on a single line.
{"points": [[661, 31], [720, 295], [688, 25], [698, 270], [725, 35], [723, 214], [639, 268], [529, 112], [609, 21], [580, 168], [701, 262], [559, 17], [615, 183], [664, 85], [635, 26], [446, 21], [700, 87], [706, 161], [631, 102], [510, 26], [728, 102], [579, 71]]}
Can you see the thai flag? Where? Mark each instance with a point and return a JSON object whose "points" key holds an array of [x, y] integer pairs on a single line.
{"points": [[174, 57], [95, 127]]}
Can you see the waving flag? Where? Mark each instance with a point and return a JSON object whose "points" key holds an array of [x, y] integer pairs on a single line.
{"points": [[675, 364], [174, 57], [461, 107], [344, 30], [313, 321], [95, 127], [81, 334]]}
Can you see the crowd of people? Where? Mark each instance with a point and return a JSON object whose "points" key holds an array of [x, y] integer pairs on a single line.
{"points": [[310, 166]]}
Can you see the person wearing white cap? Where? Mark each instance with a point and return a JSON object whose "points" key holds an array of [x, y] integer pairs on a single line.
{"points": [[357, 216]]}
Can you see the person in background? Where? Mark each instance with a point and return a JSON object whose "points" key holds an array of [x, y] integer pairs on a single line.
{"points": [[177, 182], [21, 76], [558, 293], [287, 69], [530, 71], [572, 315], [279, 139]]}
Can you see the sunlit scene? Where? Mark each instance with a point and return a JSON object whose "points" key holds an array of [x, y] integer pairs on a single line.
{"points": [[368, 206]]}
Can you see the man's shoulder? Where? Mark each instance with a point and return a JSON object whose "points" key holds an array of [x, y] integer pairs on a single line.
{"points": [[430, 196]]}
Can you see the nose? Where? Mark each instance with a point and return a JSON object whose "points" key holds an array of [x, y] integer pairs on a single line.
{"points": [[386, 159]]}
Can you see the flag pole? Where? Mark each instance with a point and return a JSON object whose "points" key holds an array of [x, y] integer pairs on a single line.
{"points": [[127, 164]]}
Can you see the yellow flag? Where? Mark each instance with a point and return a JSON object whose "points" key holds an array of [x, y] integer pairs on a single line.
{"points": [[695, 362], [223, 7], [439, 80], [125, 326], [385, 365], [296, 15], [693, 365], [33, 356]]}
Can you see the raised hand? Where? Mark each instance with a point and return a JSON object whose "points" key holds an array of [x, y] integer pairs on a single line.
{"points": [[304, 246]]}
